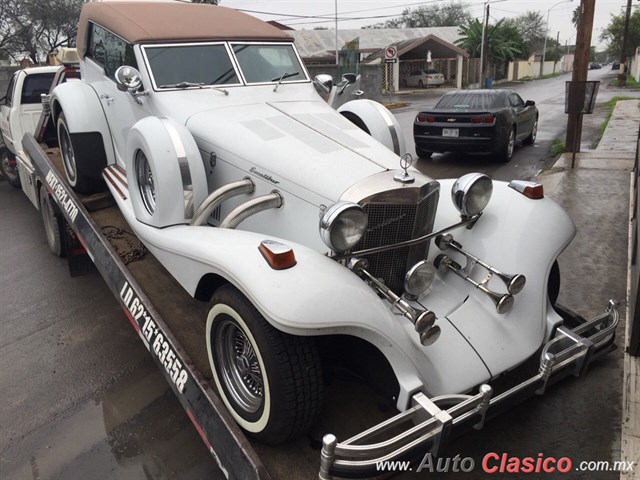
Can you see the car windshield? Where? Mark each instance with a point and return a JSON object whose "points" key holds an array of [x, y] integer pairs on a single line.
{"points": [[268, 63], [191, 65], [468, 101]]}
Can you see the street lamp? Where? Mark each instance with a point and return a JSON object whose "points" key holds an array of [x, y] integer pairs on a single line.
{"points": [[546, 31]]}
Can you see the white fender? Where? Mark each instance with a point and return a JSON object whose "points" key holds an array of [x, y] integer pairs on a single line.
{"points": [[376, 119], [178, 174], [83, 112]]}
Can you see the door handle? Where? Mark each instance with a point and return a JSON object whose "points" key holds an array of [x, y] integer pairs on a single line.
{"points": [[108, 98]]}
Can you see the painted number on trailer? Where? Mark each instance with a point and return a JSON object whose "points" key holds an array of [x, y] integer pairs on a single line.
{"points": [[152, 333]]}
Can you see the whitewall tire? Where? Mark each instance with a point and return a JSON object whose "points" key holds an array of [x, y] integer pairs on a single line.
{"points": [[270, 382]]}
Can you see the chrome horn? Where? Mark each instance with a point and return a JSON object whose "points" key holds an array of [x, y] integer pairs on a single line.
{"points": [[515, 283], [502, 301], [423, 320]]}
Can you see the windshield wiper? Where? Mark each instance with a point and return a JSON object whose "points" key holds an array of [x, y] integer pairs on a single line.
{"points": [[194, 84], [282, 77]]}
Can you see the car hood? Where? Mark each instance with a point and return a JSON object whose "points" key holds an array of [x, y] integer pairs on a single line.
{"points": [[301, 143]]}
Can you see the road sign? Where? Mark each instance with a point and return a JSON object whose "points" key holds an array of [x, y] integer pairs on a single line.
{"points": [[390, 53]]}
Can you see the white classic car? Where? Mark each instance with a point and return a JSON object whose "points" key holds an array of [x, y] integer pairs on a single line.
{"points": [[298, 222]]}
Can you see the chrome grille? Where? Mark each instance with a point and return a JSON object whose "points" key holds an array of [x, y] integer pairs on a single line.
{"points": [[396, 221]]}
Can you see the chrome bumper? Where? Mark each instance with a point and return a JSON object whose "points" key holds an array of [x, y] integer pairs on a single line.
{"points": [[430, 422]]}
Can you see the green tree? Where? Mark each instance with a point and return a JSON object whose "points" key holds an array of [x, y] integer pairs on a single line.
{"points": [[447, 15], [614, 33], [503, 42], [531, 26]]}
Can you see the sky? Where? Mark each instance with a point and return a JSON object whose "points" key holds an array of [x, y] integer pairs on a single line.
{"points": [[366, 12]]}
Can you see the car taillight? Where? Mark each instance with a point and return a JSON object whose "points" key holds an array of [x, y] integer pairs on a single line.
{"points": [[476, 120], [425, 119], [489, 119]]}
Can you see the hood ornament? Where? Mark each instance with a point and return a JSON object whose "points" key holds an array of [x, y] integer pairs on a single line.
{"points": [[405, 177]]}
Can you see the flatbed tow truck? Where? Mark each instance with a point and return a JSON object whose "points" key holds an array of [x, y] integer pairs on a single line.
{"points": [[169, 323]]}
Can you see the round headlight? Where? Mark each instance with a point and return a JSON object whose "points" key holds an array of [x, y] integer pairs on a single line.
{"points": [[418, 279], [342, 226], [471, 193], [145, 181]]}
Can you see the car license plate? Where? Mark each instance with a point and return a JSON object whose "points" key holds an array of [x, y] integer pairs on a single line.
{"points": [[450, 132]]}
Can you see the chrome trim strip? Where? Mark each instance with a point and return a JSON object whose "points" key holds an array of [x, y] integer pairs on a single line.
{"points": [[108, 176], [392, 130], [183, 163]]}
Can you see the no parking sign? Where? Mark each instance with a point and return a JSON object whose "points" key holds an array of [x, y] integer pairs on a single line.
{"points": [[391, 54]]}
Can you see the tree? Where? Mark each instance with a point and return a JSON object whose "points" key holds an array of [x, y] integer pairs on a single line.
{"points": [[448, 15], [532, 27], [614, 33], [503, 42]]}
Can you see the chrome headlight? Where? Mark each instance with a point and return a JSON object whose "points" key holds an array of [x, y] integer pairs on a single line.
{"points": [[145, 181], [342, 226], [418, 279], [471, 193]]}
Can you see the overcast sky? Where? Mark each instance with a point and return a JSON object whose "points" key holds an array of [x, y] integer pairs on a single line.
{"points": [[559, 15]]}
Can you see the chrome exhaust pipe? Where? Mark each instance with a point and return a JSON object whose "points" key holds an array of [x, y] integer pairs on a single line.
{"points": [[247, 209], [215, 199]]}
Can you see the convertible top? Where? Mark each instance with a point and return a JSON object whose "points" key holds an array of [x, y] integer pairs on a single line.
{"points": [[157, 22]]}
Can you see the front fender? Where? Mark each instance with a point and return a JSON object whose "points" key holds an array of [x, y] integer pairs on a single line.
{"points": [[83, 112], [515, 234]]}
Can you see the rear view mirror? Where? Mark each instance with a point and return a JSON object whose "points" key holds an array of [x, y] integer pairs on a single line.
{"points": [[529, 103], [350, 78], [323, 83]]}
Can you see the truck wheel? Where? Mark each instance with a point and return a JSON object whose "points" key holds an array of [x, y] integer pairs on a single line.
{"points": [[9, 168], [79, 160], [52, 223], [270, 381]]}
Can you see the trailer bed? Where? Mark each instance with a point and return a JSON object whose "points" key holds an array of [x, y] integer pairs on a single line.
{"points": [[350, 406]]}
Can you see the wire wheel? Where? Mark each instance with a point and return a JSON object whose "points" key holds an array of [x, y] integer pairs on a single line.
{"points": [[240, 370]]}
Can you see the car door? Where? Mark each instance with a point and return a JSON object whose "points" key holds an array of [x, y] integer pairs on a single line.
{"points": [[524, 115], [5, 112], [106, 53]]}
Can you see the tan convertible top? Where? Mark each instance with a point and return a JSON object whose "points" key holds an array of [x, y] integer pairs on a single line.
{"points": [[145, 22]]}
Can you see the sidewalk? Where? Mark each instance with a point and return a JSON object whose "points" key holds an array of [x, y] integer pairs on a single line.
{"points": [[596, 193]]}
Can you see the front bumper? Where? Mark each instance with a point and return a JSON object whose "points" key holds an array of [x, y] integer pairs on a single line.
{"points": [[430, 422]]}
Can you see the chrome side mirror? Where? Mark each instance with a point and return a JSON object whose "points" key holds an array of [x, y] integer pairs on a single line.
{"points": [[128, 79], [323, 83], [350, 78]]}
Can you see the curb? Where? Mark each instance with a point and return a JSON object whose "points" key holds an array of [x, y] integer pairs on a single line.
{"points": [[391, 106]]}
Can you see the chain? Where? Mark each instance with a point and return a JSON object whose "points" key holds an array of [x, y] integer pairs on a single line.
{"points": [[128, 247]]}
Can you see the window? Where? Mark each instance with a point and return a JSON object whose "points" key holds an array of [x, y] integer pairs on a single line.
{"points": [[36, 85], [516, 101], [267, 63], [466, 101], [206, 64], [9, 100], [109, 50]]}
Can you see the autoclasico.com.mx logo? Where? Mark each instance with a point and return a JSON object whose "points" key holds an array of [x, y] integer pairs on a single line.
{"points": [[504, 463]]}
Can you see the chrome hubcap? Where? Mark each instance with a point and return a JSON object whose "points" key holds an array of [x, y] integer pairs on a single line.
{"points": [[67, 153], [239, 366], [9, 168], [511, 144]]}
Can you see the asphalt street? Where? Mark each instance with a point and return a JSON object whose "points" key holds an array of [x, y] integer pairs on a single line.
{"points": [[82, 398]]}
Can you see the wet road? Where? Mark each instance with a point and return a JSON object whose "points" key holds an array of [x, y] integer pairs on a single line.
{"points": [[82, 398], [527, 161]]}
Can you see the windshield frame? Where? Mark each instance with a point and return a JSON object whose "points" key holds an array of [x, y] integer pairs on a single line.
{"points": [[228, 45], [152, 77], [286, 80]]}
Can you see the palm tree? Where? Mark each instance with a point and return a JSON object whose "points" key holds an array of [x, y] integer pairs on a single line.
{"points": [[502, 42]]}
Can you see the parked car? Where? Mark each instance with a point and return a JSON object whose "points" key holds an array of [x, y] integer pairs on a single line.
{"points": [[21, 107], [476, 121], [424, 78], [297, 224]]}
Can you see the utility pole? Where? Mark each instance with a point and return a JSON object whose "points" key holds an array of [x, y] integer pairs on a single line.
{"points": [[485, 25], [580, 67], [622, 77]]}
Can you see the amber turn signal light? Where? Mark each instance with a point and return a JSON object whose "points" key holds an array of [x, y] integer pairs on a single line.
{"points": [[532, 190], [278, 255]]}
